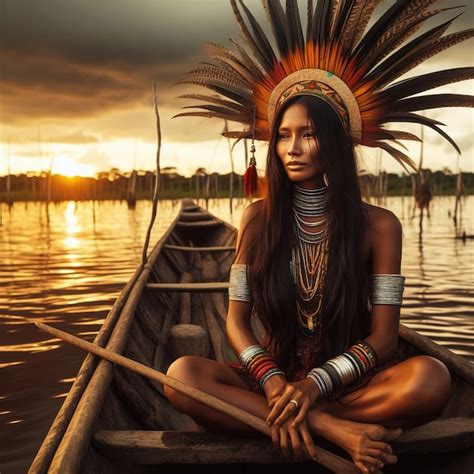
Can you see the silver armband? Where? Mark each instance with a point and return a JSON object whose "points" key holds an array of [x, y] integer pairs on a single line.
{"points": [[387, 289], [239, 288]]}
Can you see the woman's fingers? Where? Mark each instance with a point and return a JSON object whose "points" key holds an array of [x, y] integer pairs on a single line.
{"points": [[288, 411], [301, 416], [275, 437], [296, 443], [278, 408], [308, 441], [284, 443]]}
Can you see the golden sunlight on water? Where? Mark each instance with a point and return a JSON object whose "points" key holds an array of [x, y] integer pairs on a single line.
{"points": [[66, 263]]}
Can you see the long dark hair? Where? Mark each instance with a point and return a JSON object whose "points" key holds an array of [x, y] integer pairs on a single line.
{"points": [[344, 316]]}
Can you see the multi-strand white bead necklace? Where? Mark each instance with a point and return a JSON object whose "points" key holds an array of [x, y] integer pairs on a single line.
{"points": [[309, 256]]}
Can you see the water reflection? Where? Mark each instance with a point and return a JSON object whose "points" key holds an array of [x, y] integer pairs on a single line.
{"points": [[66, 263]]}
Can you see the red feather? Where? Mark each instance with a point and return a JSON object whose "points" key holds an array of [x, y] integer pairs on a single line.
{"points": [[251, 181]]}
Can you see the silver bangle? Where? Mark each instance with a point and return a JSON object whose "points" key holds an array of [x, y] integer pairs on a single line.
{"points": [[239, 289], [269, 375], [387, 289]]}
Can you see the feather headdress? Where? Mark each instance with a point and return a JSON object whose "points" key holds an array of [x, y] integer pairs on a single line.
{"points": [[336, 58]]}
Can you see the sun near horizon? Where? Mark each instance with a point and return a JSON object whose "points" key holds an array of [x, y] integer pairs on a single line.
{"points": [[71, 168]]}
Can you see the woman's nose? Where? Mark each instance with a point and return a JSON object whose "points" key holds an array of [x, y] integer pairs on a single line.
{"points": [[295, 147]]}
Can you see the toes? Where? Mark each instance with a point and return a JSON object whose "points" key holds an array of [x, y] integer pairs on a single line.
{"points": [[392, 433], [362, 467], [391, 459]]}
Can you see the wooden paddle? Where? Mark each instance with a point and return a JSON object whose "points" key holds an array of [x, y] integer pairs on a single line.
{"points": [[324, 457]]}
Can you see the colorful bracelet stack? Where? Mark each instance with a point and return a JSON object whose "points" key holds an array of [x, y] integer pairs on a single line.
{"points": [[344, 369], [259, 363]]}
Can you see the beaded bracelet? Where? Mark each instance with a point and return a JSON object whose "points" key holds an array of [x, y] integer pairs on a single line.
{"points": [[259, 363], [344, 369]]}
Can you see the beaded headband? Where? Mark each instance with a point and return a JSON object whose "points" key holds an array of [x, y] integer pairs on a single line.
{"points": [[324, 85]]}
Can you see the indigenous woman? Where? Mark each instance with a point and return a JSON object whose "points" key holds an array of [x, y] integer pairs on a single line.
{"points": [[320, 268]]}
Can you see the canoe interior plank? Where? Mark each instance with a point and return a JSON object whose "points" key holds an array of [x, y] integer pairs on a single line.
{"points": [[198, 225], [189, 287], [200, 249], [437, 436], [191, 208], [154, 447], [195, 216]]}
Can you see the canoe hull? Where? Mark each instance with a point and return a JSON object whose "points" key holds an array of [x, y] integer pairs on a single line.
{"points": [[122, 422]]}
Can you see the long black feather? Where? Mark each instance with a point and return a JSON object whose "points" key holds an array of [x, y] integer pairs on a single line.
{"points": [[432, 101], [295, 30], [216, 100], [378, 29], [234, 93], [409, 117], [418, 84], [309, 19], [387, 70], [340, 20], [278, 23], [320, 22], [378, 53], [260, 37], [248, 38]]}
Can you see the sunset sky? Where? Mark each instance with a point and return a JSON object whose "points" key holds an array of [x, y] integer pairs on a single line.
{"points": [[76, 86]]}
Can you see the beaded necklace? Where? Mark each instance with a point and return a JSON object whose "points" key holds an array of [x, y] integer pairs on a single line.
{"points": [[309, 256]]}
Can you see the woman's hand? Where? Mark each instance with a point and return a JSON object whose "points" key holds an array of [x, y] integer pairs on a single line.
{"points": [[273, 388], [294, 441], [283, 398]]}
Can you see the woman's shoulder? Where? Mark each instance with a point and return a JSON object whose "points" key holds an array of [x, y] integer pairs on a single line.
{"points": [[253, 211], [249, 230], [381, 221]]}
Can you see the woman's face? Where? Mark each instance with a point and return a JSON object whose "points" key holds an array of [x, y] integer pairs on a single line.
{"points": [[297, 148]]}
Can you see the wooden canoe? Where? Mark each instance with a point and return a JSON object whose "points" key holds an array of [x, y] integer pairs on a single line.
{"points": [[115, 421]]}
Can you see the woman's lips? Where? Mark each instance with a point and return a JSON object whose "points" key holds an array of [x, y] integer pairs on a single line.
{"points": [[295, 164]]}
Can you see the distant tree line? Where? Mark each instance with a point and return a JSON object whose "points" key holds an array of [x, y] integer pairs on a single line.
{"points": [[114, 184]]}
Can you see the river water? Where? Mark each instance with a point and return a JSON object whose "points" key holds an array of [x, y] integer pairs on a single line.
{"points": [[64, 264]]}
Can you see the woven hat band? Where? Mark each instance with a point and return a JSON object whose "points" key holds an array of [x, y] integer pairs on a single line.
{"points": [[326, 86]]}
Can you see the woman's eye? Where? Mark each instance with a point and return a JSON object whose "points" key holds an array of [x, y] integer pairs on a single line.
{"points": [[309, 134]]}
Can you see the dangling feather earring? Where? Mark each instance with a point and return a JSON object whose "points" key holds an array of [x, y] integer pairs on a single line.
{"points": [[250, 176]]}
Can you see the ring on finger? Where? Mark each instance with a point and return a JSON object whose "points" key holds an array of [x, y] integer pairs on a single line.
{"points": [[294, 402]]}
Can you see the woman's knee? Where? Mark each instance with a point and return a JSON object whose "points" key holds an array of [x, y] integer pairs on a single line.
{"points": [[186, 369], [429, 382]]}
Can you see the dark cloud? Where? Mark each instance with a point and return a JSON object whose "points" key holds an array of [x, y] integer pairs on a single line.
{"points": [[42, 87], [88, 59]]}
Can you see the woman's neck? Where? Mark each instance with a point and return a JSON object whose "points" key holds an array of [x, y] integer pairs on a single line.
{"points": [[315, 183], [309, 202]]}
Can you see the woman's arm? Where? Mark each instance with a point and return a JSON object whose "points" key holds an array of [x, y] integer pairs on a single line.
{"points": [[386, 253], [238, 323], [256, 360]]}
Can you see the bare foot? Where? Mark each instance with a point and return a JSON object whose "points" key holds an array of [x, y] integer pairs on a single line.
{"points": [[366, 443]]}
